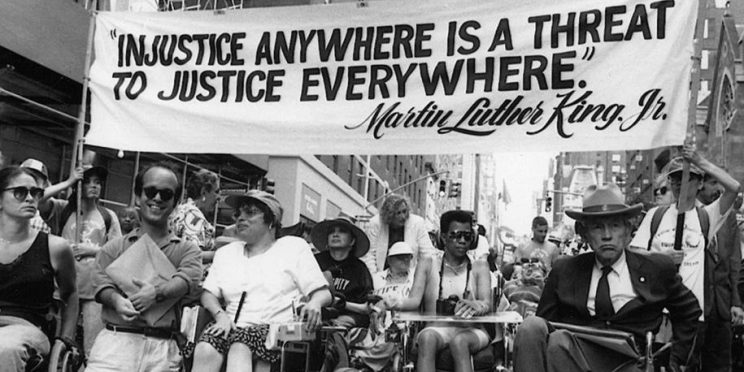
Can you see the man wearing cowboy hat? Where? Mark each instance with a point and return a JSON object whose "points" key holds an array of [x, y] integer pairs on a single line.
{"points": [[610, 288], [341, 243]]}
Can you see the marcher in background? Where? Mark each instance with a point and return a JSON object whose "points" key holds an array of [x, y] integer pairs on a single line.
{"points": [[98, 226], [610, 288], [129, 343], [258, 278], [128, 219], [30, 263], [662, 192], [395, 223], [483, 249], [189, 220], [48, 219], [538, 247], [704, 257]]}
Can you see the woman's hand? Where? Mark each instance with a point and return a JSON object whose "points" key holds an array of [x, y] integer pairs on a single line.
{"points": [[310, 313], [222, 325]]}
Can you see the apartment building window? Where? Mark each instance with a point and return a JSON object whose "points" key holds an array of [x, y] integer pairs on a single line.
{"points": [[335, 163], [360, 180], [395, 165]]}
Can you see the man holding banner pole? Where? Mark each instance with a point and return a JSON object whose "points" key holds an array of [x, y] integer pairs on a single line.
{"points": [[688, 234]]}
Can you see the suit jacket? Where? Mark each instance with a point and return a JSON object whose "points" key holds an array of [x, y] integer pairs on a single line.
{"points": [[656, 282], [414, 233], [722, 266]]}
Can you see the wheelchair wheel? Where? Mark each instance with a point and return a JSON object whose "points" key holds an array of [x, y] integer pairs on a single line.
{"points": [[62, 359]]}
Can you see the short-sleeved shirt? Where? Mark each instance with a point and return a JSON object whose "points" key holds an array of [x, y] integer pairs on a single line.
{"points": [[350, 278], [183, 254], [546, 252], [92, 231], [188, 222], [693, 242], [272, 280]]}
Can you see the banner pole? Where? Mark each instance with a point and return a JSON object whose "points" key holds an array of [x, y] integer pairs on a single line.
{"points": [[80, 129], [682, 204]]}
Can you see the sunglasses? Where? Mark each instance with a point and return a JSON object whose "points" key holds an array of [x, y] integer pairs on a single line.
{"points": [[21, 192], [467, 235], [165, 194], [660, 191]]}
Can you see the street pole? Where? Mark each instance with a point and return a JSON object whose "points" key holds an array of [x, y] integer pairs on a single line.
{"points": [[366, 208]]}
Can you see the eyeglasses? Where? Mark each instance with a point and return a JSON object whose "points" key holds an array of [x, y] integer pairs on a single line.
{"points": [[660, 191], [467, 235], [165, 194], [21, 192], [248, 209]]}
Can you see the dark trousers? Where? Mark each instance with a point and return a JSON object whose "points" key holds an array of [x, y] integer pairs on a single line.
{"points": [[713, 345], [539, 348]]}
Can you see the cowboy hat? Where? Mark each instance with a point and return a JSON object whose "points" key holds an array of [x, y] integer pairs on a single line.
{"points": [[320, 232], [602, 201]]}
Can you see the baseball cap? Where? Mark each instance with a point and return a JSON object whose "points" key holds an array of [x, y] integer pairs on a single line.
{"points": [[675, 165], [37, 167], [400, 248], [263, 197]]}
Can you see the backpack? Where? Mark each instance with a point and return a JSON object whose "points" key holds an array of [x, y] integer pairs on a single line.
{"points": [[659, 214]]}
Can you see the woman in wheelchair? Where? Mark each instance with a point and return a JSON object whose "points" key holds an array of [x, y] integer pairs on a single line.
{"points": [[257, 278], [451, 286], [30, 262]]}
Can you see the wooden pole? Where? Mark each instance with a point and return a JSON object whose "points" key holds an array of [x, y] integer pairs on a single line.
{"points": [[683, 205], [80, 129]]}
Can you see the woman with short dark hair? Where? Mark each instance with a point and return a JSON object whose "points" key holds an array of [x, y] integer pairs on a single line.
{"points": [[30, 263]]}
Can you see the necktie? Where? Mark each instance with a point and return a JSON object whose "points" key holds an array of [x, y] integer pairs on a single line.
{"points": [[602, 302]]}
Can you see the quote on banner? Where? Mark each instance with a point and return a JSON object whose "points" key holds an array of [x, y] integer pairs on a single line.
{"points": [[395, 77]]}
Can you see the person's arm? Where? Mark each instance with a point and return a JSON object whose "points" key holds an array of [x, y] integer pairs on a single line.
{"points": [[53, 190], [731, 186], [482, 303], [418, 289], [64, 274], [187, 276], [222, 322]]}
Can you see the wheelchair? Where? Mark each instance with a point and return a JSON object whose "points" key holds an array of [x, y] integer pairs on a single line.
{"points": [[63, 357]]}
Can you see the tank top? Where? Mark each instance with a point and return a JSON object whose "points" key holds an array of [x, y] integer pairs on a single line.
{"points": [[27, 283]]}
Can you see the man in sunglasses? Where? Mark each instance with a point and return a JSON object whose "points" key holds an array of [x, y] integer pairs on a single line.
{"points": [[707, 261], [129, 342], [452, 285]]}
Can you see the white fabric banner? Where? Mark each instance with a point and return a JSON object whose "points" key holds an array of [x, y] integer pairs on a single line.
{"points": [[404, 77]]}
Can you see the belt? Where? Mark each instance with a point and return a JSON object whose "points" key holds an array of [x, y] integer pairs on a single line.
{"points": [[147, 332]]}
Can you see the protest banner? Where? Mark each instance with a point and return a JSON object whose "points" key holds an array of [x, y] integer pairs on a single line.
{"points": [[413, 77]]}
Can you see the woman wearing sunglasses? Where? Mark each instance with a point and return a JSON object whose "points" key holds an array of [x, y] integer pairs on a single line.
{"points": [[258, 279], [30, 262]]}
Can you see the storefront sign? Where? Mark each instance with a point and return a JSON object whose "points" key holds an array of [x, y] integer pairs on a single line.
{"points": [[411, 77]]}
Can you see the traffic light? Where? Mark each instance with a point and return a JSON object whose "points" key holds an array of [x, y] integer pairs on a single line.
{"points": [[267, 184], [454, 191], [442, 188], [548, 203]]}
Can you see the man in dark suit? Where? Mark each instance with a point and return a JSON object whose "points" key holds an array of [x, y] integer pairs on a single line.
{"points": [[610, 288]]}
